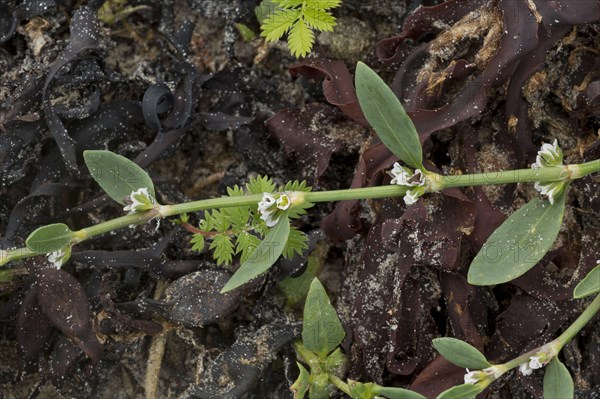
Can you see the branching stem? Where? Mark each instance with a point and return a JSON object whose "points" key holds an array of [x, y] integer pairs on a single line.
{"points": [[437, 183]]}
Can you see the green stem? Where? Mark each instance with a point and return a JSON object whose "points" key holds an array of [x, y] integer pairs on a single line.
{"points": [[356, 193], [115, 224], [342, 386], [213, 203], [511, 364], [437, 183], [564, 173], [308, 357], [578, 324], [588, 167], [317, 196], [312, 361], [556, 345]]}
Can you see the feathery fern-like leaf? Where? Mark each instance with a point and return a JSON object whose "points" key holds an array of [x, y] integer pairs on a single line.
{"points": [[259, 185], [278, 23], [323, 4], [298, 18], [197, 242], [222, 247], [320, 20], [289, 3], [301, 38], [297, 242]]}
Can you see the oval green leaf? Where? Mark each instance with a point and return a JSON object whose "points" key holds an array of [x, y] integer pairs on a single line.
{"points": [[322, 331], [117, 175], [300, 387], [460, 353], [519, 243], [396, 393], [558, 383], [464, 391], [590, 284], [263, 257], [386, 115], [50, 238]]}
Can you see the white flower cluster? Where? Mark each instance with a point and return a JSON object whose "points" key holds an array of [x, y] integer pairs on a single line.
{"points": [[540, 359], [549, 155], [473, 377], [60, 257], [270, 207], [405, 177], [490, 373], [139, 201], [534, 363]]}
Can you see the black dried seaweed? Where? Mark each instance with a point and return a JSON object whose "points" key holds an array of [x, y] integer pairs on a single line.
{"points": [[22, 208], [195, 300], [241, 365], [84, 37]]}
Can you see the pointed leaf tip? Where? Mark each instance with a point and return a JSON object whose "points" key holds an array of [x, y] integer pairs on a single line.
{"points": [[385, 113], [590, 284], [322, 331], [117, 175], [460, 353], [519, 243]]}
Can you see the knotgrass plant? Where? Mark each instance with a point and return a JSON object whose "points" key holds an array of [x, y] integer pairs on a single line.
{"points": [[254, 223]]}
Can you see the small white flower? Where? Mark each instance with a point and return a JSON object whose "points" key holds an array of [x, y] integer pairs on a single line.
{"points": [[405, 177], [400, 175], [472, 377], [60, 257], [269, 219], [548, 155], [266, 202], [485, 376], [271, 206], [525, 369], [139, 201], [283, 202], [495, 371], [411, 197], [267, 208], [551, 190], [535, 362]]}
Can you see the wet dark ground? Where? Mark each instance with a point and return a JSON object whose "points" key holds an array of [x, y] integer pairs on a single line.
{"points": [[175, 88]]}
